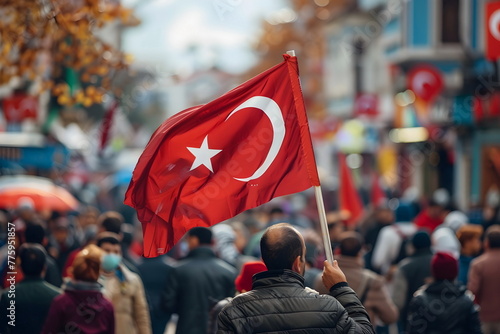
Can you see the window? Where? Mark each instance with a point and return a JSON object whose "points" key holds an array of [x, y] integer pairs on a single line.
{"points": [[450, 21]]}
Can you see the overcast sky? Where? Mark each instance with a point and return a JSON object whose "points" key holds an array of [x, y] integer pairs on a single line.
{"points": [[185, 35]]}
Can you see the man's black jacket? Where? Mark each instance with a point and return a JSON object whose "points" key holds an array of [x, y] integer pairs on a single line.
{"points": [[279, 303]]}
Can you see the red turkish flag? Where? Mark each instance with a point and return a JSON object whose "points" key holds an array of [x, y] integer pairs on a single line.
{"points": [[208, 163], [493, 30], [377, 195], [349, 199]]}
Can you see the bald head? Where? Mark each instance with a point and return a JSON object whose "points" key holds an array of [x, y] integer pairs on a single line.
{"points": [[280, 246]]}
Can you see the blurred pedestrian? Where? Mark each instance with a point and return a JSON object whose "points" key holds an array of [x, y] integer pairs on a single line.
{"points": [[196, 282], [483, 281], [391, 243], [443, 306], [431, 217], [112, 221], [311, 273], [382, 216], [444, 237], [35, 234], [469, 237], [279, 302], [335, 228], [224, 243], [88, 238], [154, 273], [82, 307], [124, 288], [369, 286], [62, 241], [411, 274], [32, 296], [25, 213], [243, 283]]}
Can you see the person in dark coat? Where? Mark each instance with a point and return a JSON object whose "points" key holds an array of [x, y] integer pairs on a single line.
{"points": [[279, 301], [154, 272], [196, 282], [36, 234], [82, 308], [443, 307], [411, 274], [32, 297]]}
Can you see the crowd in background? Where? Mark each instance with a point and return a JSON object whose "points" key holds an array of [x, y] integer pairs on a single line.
{"points": [[417, 267]]}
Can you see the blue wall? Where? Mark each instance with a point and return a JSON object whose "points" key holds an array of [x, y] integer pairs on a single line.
{"points": [[419, 23]]}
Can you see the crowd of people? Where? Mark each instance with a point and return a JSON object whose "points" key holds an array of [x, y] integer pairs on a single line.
{"points": [[407, 267]]}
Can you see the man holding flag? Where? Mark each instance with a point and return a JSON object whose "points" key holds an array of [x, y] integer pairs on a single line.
{"points": [[279, 302], [208, 163]]}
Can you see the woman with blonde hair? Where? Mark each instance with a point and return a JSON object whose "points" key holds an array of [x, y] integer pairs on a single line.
{"points": [[82, 308]]}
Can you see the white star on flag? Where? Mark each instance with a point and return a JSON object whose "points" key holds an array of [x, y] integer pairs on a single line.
{"points": [[203, 155]]}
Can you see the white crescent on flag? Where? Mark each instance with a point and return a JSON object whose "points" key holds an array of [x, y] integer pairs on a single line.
{"points": [[273, 112], [494, 24]]}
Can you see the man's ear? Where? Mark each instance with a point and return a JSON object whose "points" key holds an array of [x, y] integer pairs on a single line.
{"points": [[296, 266]]}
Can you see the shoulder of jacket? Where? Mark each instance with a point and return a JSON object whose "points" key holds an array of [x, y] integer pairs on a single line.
{"points": [[130, 275]]}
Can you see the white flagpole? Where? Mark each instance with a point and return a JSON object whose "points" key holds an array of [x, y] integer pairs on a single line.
{"points": [[324, 225], [321, 211]]}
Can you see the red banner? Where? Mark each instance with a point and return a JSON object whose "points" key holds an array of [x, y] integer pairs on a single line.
{"points": [[20, 107], [493, 30]]}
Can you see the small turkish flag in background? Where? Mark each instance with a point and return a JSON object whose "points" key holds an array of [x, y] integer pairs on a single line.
{"points": [[350, 202], [208, 163], [493, 30]]}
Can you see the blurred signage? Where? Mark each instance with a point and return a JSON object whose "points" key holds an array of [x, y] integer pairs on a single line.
{"points": [[36, 157], [426, 82], [366, 104], [487, 106], [20, 107], [441, 111], [493, 30]]}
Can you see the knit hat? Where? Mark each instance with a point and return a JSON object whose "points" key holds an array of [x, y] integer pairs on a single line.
{"points": [[421, 240], [244, 279], [444, 266]]}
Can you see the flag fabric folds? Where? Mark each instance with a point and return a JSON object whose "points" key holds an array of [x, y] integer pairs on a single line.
{"points": [[208, 163]]}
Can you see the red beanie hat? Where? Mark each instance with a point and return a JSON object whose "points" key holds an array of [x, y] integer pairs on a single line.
{"points": [[444, 266], [244, 279]]}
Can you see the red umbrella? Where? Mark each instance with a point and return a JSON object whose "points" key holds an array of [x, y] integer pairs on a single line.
{"points": [[44, 193]]}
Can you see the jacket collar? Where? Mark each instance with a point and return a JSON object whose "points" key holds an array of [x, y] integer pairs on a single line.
{"points": [[444, 286], [33, 279], [277, 277], [73, 285], [201, 252]]}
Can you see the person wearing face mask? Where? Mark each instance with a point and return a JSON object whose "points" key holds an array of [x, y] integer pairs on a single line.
{"points": [[124, 288]]}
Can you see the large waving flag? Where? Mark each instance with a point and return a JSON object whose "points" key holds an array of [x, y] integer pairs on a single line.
{"points": [[209, 163]]}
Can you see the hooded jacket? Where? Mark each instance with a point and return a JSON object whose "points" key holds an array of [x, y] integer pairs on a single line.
{"points": [[280, 303], [443, 307], [80, 309]]}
